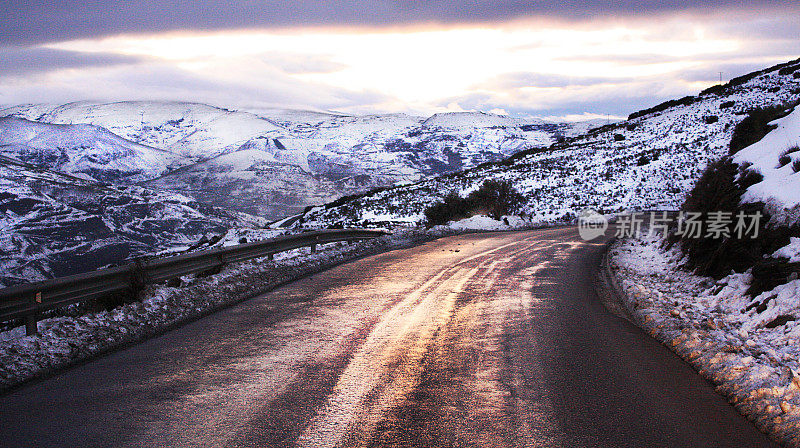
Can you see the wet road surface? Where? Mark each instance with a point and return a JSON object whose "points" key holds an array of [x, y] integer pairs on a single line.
{"points": [[484, 340]]}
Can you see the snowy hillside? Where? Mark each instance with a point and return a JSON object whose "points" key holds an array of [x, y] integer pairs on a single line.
{"points": [[276, 162], [777, 158], [256, 181], [53, 224], [649, 161], [84, 150]]}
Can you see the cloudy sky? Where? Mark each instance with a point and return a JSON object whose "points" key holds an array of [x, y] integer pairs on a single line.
{"points": [[543, 58]]}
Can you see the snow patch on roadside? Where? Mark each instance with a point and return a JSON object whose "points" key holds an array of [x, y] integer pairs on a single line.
{"points": [[482, 222], [748, 347]]}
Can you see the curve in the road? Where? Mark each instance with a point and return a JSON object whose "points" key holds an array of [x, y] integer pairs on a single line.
{"points": [[485, 340]]}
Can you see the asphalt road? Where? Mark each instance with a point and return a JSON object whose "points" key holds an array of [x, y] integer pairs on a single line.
{"points": [[484, 340]]}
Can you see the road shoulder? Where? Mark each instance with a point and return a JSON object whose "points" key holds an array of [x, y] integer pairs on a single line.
{"points": [[756, 373]]}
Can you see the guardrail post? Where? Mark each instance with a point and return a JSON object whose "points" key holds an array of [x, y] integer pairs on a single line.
{"points": [[313, 248], [31, 324]]}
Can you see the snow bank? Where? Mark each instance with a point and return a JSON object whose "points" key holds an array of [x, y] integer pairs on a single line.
{"points": [[66, 340], [481, 222], [748, 347], [790, 251]]}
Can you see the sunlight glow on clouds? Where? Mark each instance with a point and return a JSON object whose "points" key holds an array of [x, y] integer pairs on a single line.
{"points": [[523, 67]]}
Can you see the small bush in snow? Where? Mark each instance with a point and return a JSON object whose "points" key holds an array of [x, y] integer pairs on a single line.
{"points": [[496, 198], [452, 208], [720, 188], [755, 126]]}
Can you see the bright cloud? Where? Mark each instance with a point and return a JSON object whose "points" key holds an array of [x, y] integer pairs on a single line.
{"points": [[522, 67]]}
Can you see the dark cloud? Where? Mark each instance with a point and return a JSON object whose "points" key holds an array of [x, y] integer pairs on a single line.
{"points": [[25, 61], [784, 27], [36, 21]]}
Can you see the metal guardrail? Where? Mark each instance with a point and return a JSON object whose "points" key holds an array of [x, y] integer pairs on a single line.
{"points": [[28, 301]]}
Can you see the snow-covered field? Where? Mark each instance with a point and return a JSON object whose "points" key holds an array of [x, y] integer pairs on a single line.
{"points": [[749, 347], [481, 222]]}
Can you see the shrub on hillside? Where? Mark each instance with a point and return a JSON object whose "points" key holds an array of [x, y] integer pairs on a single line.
{"points": [[720, 188], [685, 101], [453, 207], [785, 158], [755, 126], [496, 198], [769, 273]]}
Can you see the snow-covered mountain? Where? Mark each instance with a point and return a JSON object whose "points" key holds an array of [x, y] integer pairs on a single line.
{"points": [[195, 131], [276, 162], [84, 150], [649, 161], [52, 224]]}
